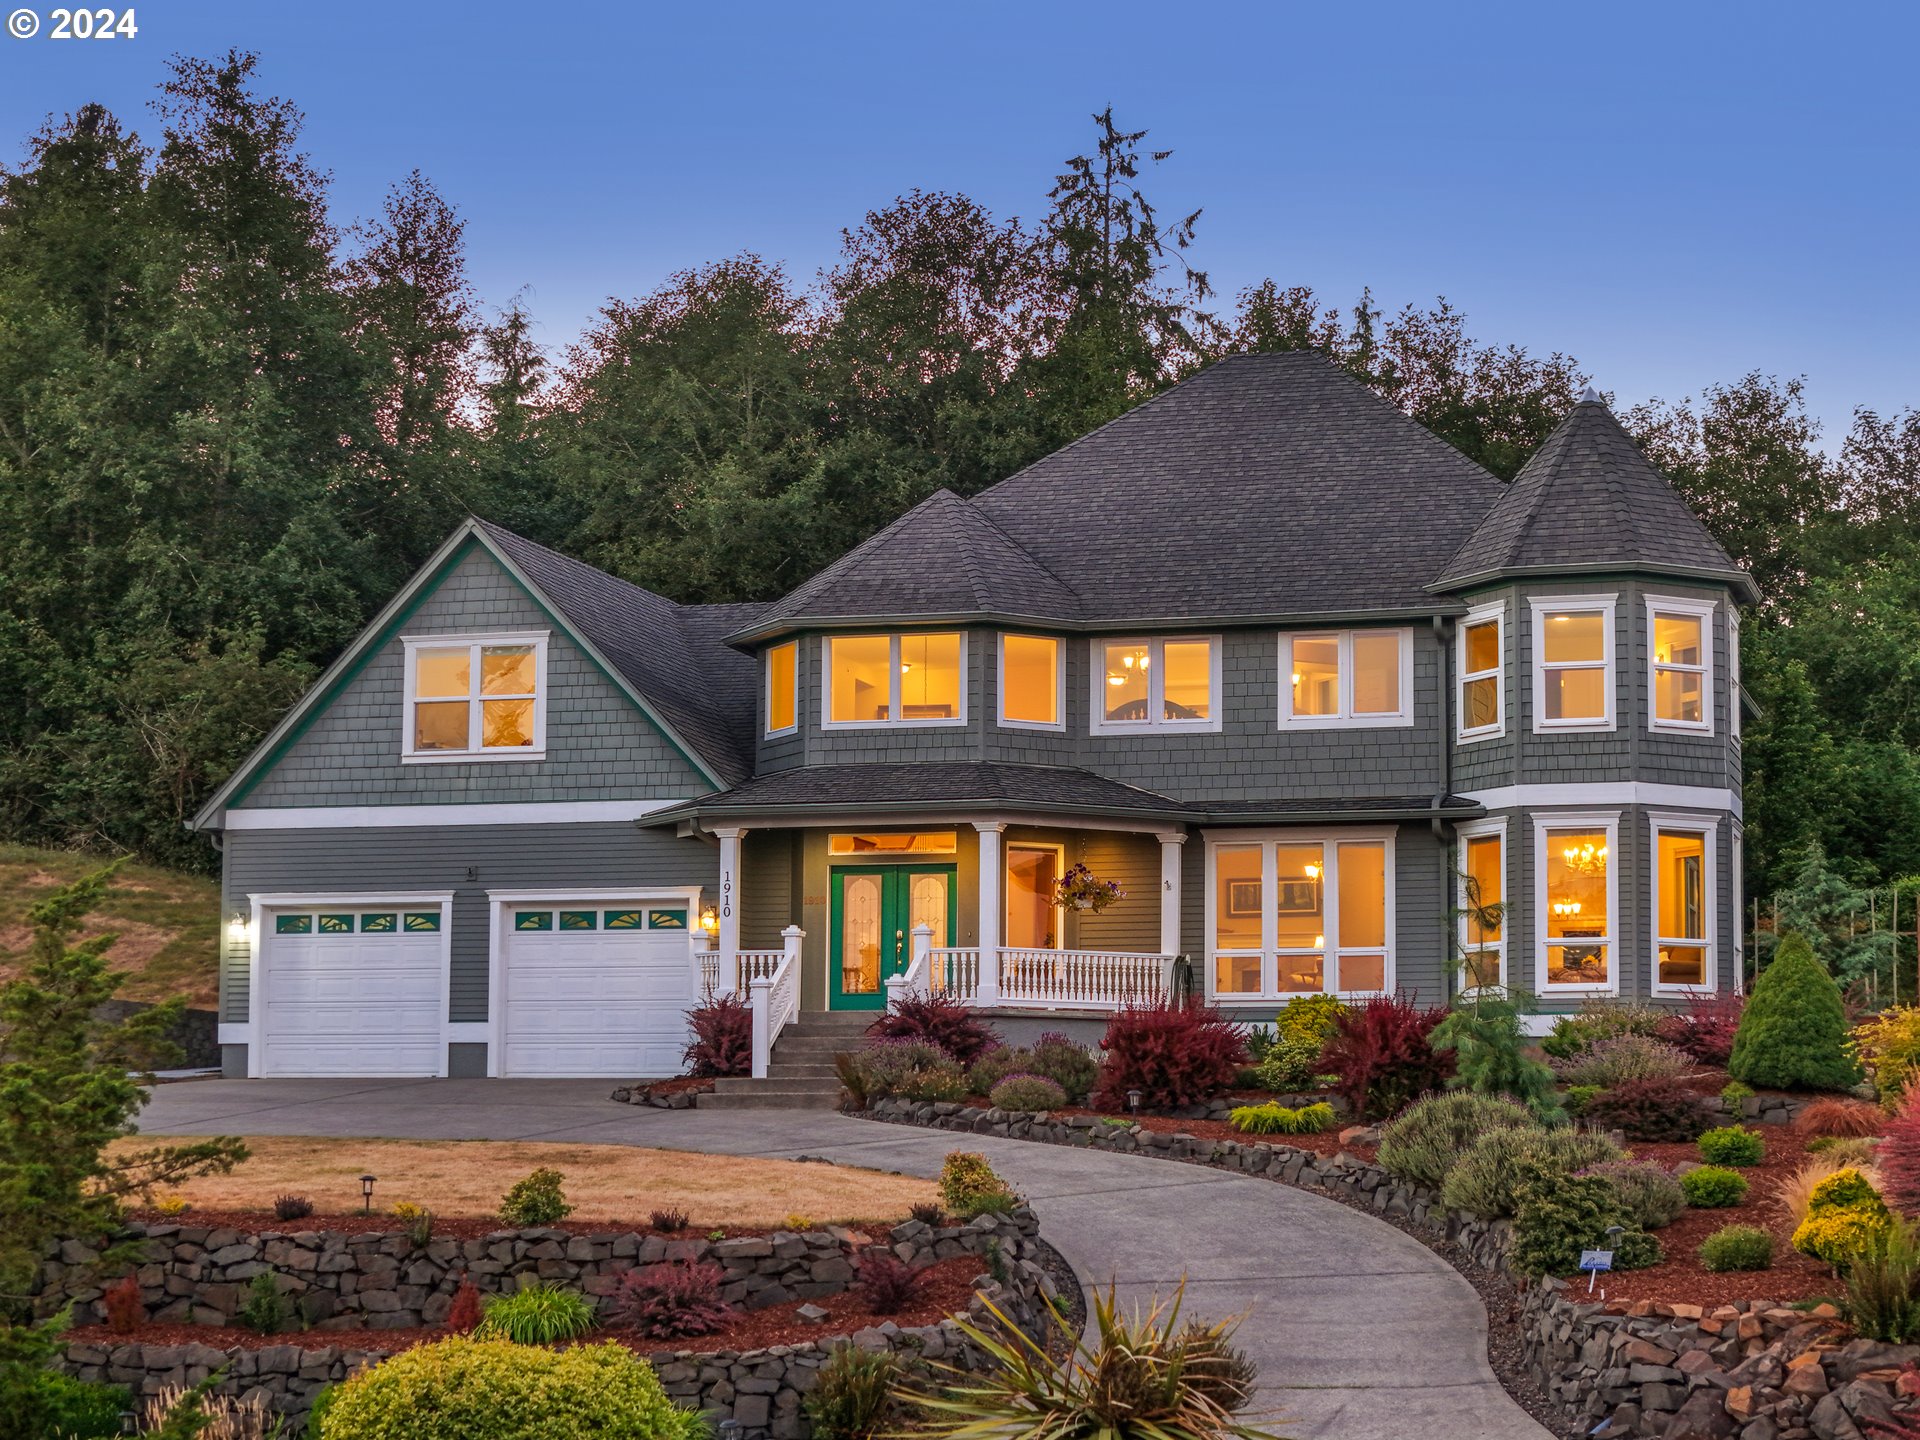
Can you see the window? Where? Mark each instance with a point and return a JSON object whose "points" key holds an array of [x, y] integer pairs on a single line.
{"points": [[783, 681], [1680, 665], [1482, 678], [895, 679], [1169, 684], [1683, 896], [1576, 900], [475, 697], [1573, 662], [1032, 682], [1347, 677], [1301, 915], [1033, 875], [1482, 901], [894, 842]]}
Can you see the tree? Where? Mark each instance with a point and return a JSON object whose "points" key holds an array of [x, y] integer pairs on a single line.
{"points": [[1793, 1033], [1829, 914], [66, 1094]]}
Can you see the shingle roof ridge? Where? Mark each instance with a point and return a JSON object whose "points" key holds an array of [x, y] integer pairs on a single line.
{"points": [[795, 600], [1013, 544]]}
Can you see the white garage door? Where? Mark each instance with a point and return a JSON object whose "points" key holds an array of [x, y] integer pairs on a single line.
{"points": [[352, 991], [595, 989]]}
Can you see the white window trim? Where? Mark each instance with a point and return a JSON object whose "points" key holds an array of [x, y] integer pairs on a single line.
{"points": [[1539, 606], [474, 753], [1707, 825], [1704, 611], [1097, 724], [1006, 890], [1603, 820], [827, 722], [1480, 615], [1346, 719], [1059, 683], [1480, 830], [1331, 839], [1736, 890], [1735, 687], [768, 729]]}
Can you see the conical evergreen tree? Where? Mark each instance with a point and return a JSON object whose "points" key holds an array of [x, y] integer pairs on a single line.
{"points": [[1793, 1035]]}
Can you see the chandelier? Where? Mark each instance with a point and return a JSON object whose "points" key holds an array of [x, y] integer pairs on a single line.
{"points": [[1585, 859]]}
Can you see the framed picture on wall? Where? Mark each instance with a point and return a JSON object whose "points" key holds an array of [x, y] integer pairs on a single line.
{"points": [[1299, 897], [1243, 897]]}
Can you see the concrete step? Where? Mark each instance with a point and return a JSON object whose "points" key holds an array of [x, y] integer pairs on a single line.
{"points": [[816, 1048], [742, 1085], [817, 1028], [771, 1100], [781, 1069]]}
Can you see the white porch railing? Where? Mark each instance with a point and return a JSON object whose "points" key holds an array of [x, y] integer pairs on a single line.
{"points": [[747, 966], [954, 971], [775, 996], [1092, 979]]}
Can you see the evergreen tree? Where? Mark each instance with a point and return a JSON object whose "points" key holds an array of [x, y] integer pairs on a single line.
{"points": [[1793, 1033]]}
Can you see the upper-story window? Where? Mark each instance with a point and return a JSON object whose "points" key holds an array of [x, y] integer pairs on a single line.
{"points": [[1157, 684], [783, 688], [1032, 682], [915, 679], [1346, 677], [1680, 664], [475, 697], [1482, 645], [1573, 662]]}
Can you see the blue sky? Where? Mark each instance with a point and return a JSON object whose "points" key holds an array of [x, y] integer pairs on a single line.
{"points": [[1673, 193]]}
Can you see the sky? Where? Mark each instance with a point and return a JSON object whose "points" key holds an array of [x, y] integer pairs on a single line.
{"points": [[1674, 194]]}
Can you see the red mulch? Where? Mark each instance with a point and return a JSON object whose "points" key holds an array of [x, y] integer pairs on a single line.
{"points": [[948, 1291], [1325, 1143], [452, 1227], [676, 1085]]}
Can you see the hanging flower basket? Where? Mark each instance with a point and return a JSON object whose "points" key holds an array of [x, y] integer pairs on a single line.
{"points": [[1080, 889]]}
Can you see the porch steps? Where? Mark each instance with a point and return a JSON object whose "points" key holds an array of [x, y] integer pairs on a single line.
{"points": [[800, 1073]]}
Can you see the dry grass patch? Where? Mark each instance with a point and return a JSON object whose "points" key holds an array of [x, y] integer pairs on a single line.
{"points": [[456, 1178]]}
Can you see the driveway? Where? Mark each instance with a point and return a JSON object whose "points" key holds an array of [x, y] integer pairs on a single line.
{"points": [[1359, 1332]]}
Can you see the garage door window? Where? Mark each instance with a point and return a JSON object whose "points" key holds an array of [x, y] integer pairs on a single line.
{"points": [[371, 922], [578, 920]]}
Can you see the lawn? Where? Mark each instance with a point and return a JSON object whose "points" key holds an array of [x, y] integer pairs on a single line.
{"points": [[168, 921], [460, 1178]]}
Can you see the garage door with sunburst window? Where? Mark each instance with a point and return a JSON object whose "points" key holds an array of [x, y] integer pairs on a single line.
{"points": [[348, 990]]}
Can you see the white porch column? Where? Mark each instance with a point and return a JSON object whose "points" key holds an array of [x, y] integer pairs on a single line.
{"points": [[1170, 892], [991, 870], [729, 936]]}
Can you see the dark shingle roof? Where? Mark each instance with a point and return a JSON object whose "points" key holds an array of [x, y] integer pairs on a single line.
{"points": [[1589, 499]]}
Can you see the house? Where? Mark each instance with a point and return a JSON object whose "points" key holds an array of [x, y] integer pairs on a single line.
{"points": [[1287, 670]]}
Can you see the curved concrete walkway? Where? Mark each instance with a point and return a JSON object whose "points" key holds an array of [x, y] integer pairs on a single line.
{"points": [[1359, 1332]]}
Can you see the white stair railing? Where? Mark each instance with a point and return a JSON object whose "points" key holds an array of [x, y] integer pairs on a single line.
{"points": [[954, 971], [775, 997], [751, 965], [916, 981]]}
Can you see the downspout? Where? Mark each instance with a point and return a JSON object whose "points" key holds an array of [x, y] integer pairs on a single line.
{"points": [[1443, 632]]}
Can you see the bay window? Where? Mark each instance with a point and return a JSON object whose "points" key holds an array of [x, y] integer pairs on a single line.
{"points": [[913, 679], [783, 681], [1031, 682], [1347, 678], [1683, 891], [1482, 900], [1156, 684], [1576, 899], [1573, 662], [1301, 915], [474, 697], [1482, 673], [1680, 665]]}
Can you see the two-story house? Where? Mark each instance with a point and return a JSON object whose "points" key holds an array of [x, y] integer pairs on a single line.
{"points": [[1264, 652]]}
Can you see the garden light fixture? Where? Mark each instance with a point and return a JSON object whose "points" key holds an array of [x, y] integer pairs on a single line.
{"points": [[1133, 1101], [366, 1194]]}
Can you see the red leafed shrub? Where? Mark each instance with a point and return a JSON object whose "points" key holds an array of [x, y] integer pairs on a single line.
{"points": [[663, 1302], [464, 1313], [1648, 1110], [1172, 1054], [722, 1042], [1897, 1157], [1705, 1029], [1844, 1118], [1382, 1052], [125, 1309], [938, 1021], [887, 1284]]}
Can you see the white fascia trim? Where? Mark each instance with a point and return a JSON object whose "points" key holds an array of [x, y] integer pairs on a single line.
{"points": [[1538, 606], [1609, 822], [1479, 615], [1705, 612], [1059, 683], [1709, 826], [1624, 792], [359, 817]]}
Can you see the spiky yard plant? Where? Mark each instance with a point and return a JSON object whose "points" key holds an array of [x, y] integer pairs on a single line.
{"points": [[1145, 1375]]}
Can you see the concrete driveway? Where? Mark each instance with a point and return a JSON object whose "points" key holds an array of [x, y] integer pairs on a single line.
{"points": [[1359, 1332]]}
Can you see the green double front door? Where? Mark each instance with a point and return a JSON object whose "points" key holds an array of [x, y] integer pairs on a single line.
{"points": [[875, 908]]}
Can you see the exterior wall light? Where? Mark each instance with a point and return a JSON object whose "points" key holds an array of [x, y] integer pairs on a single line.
{"points": [[237, 929], [710, 921]]}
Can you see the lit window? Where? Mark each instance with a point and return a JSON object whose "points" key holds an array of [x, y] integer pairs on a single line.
{"points": [[475, 698], [1480, 674], [783, 674], [1680, 664], [1351, 677], [1576, 923], [1030, 680], [1573, 664], [1033, 876], [1154, 684], [894, 842], [888, 679], [1238, 910], [1483, 893], [1301, 917], [1682, 891]]}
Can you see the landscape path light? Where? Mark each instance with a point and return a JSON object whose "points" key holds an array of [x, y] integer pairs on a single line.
{"points": [[366, 1194]]}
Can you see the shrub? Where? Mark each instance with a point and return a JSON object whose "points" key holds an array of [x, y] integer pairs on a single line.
{"points": [[887, 1284], [1732, 1145], [536, 1200], [996, 1065], [1426, 1140], [172, 1205], [969, 1186], [1734, 1091], [1898, 1157], [1620, 1058], [1597, 1021], [1578, 1097], [317, 1411], [1888, 1044], [853, 1397], [463, 1389], [928, 1212], [664, 1302], [1648, 1110], [1795, 1193], [1069, 1065], [1173, 1054], [291, 1207], [1492, 1170], [1382, 1051], [1839, 1118], [265, 1311], [722, 1040], [1793, 1035], [668, 1222], [1556, 1217], [936, 1083], [909, 1068], [1883, 1289], [1644, 1190], [537, 1314], [1845, 1216], [1309, 1017], [464, 1312], [1705, 1029], [1028, 1092], [72, 1409], [407, 1210], [1737, 1247], [938, 1021], [1272, 1119], [1710, 1187], [1846, 1149], [124, 1307], [1490, 1054], [1292, 1063]]}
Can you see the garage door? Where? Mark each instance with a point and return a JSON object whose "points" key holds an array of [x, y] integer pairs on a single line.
{"points": [[595, 989], [350, 991]]}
